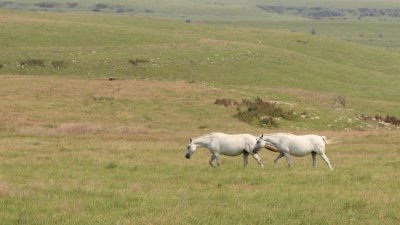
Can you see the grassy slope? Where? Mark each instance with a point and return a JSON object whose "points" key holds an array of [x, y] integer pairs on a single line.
{"points": [[103, 45], [370, 31]]}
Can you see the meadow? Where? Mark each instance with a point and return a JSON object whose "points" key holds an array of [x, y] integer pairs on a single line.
{"points": [[77, 147], [100, 152], [379, 30]]}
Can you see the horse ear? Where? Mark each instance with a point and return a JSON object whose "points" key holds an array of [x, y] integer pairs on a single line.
{"points": [[190, 140], [262, 135]]}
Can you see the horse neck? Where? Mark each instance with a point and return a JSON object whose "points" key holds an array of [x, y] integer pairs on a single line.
{"points": [[271, 139], [202, 141]]}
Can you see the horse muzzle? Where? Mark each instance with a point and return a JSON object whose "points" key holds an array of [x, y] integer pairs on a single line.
{"points": [[187, 156]]}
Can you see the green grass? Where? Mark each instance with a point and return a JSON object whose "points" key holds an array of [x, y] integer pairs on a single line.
{"points": [[372, 31], [68, 180]]}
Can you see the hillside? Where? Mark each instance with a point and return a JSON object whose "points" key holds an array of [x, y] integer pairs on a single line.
{"points": [[258, 61]]}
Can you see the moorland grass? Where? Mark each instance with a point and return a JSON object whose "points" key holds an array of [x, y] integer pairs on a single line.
{"points": [[109, 152], [69, 180]]}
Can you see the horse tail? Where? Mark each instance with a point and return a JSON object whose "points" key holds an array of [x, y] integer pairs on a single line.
{"points": [[330, 141]]}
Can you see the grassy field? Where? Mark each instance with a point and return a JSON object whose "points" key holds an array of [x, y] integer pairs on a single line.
{"points": [[93, 151], [76, 148], [378, 31]]}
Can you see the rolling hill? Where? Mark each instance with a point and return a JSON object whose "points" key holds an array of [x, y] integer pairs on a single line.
{"points": [[88, 46]]}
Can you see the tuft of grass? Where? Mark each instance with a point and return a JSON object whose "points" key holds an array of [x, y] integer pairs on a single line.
{"points": [[111, 165]]}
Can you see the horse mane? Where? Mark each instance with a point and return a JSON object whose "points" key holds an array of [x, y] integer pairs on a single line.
{"points": [[271, 145], [276, 134], [203, 136]]}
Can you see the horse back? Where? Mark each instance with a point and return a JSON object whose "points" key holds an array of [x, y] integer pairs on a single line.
{"points": [[233, 144]]}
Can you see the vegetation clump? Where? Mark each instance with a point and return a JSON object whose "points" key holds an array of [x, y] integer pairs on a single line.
{"points": [[45, 4], [339, 100], [100, 6], [225, 102], [259, 112], [32, 62], [2, 4], [393, 120], [136, 62], [72, 4], [324, 12], [58, 64]]}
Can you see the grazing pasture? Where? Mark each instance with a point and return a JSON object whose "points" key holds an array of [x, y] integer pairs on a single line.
{"points": [[371, 23], [95, 151], [96, 111]]}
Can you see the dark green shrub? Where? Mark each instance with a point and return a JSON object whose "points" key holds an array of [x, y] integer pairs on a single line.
{"points": [[32, 62], [263, 113]]}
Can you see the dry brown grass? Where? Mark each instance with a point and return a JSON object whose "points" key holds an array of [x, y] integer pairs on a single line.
{"points": [[16, 18], [4, 189], [52, 106], [79, 128]]}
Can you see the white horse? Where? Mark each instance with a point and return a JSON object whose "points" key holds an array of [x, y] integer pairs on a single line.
{"points": [[296, 145], [225, 144]]}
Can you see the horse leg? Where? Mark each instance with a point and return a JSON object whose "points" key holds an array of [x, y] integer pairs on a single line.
{"points": [[217, 159], [325, 158], [314, 159], [245, 158], [211, 160], [289, 161], [258, 159], [279, 156]]}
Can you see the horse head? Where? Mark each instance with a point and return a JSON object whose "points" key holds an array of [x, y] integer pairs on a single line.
{"points": [[190, 149], [260, 143]]}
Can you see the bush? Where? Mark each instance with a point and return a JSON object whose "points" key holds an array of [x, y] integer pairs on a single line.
{"points": [[136, 62], [33, 63], [99, 7], [45, 5], [225, 102], [72, 4], [339, 100], [58, 64], [258, 112]]}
